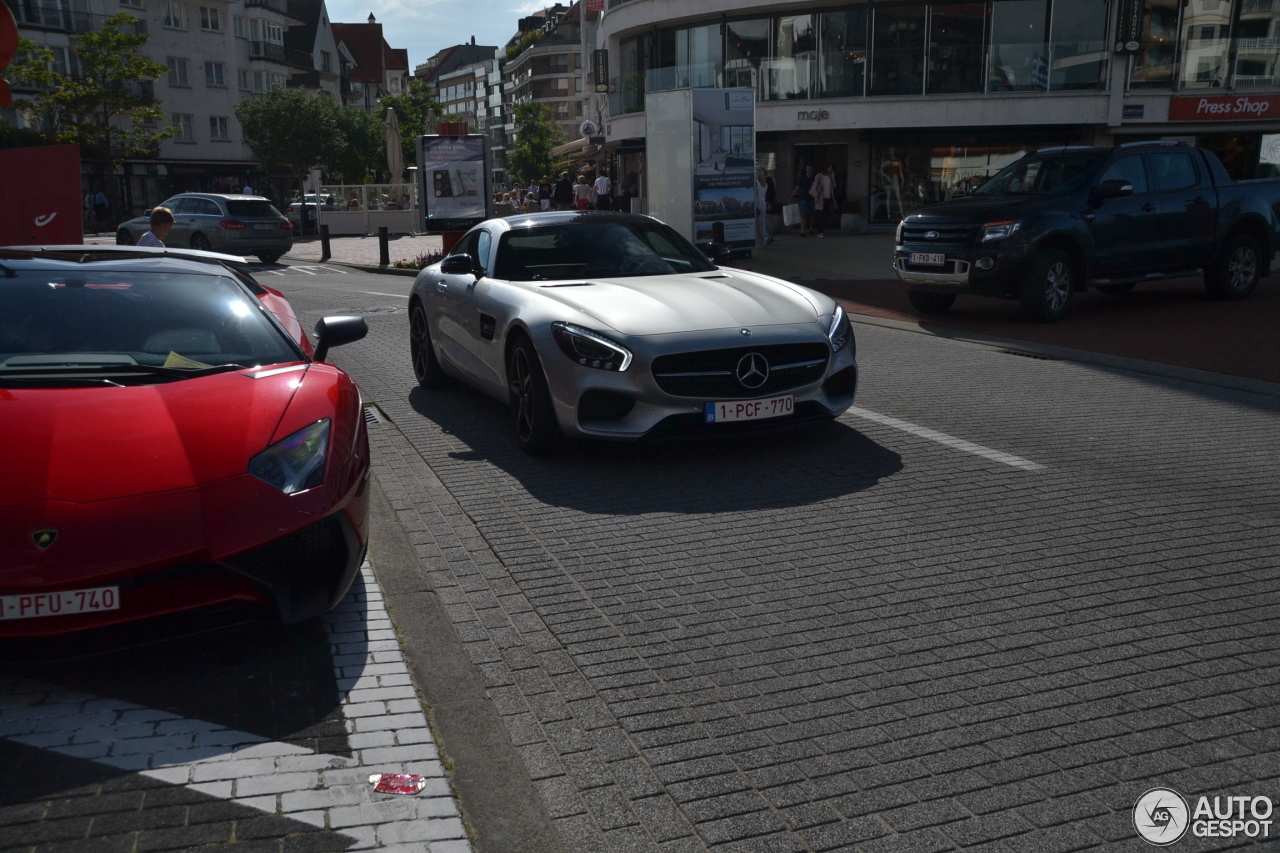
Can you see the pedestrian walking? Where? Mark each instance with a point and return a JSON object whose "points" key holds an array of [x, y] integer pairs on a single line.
{"points": [[161, 225], [823, 192], [603, 188], [544, 193], [803, 196], [582, 193], [562, 193], [762, 230], [101, 206]]}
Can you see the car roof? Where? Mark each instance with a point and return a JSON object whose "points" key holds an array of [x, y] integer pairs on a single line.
{"points": [[556, 217], [191, 259], [223, 196]]}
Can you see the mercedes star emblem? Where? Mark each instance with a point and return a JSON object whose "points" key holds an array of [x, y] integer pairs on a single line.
{"points": [[752, 371], [931, 235]]}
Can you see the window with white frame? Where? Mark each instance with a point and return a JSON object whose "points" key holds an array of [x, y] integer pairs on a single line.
{"points": [[326, 62], [219, 129], [178, 72], [175, 15], [394, 84], [214, 74], [260, 30], [243, 78], [210, 20], [238, 27], [183, 123]]}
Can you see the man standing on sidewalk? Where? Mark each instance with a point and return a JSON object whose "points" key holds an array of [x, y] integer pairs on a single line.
{"points": [[803, 196], [603, 188], [562, 195]]}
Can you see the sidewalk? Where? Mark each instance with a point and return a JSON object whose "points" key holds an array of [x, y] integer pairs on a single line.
{"points": [[363, 251]]}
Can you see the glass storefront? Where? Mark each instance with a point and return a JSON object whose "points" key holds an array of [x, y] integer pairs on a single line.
{"points": [[905, 178], [1208, 44]]}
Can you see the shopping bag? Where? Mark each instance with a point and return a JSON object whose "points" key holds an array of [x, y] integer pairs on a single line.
{"points": [[791, 214]]}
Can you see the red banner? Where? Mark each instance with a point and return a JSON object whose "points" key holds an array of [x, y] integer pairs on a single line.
{"points": [[1224, 108]]}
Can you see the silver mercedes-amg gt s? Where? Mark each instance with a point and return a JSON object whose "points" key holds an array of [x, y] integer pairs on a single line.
{"points": [[614, 326]]}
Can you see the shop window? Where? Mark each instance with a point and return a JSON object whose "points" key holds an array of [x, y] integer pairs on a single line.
{"points": [[955, 48], [1152, 65], [1079, 51], [703, 56], [746, 52], [793, 68], [897, 54], [1019, 49], [843, 53], [1205, 43], [906, 178]]}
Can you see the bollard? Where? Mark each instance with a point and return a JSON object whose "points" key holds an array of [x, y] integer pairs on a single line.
{"points": [[384, 252], [325, 254]]}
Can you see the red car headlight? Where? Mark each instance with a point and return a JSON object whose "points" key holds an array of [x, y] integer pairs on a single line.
{"points": [[296, 463]]}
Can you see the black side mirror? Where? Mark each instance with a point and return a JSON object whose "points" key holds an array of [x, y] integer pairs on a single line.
{"points": [[716, 252], [1115, 188], [458, 265], [336, 331]]}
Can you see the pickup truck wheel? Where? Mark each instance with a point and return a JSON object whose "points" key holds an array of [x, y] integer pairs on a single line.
{"points": [[931, 303], [1116, 289], [1235, 274], [1047, 291]]}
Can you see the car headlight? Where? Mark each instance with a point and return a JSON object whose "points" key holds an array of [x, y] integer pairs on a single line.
{"points": [[1000, 230], [296, 463], [897, 235], [589, 348], [839, 332]]}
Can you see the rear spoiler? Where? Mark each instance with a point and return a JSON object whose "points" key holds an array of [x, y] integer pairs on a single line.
{"points": [[86, 253]]}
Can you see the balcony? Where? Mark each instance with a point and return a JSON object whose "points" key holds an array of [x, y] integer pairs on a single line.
{"points": [[269, 51], [48, 17], [288, 8]]}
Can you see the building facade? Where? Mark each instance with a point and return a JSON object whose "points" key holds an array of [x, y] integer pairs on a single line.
{"points": [[474, 92], [914, 103], [546, 69]]}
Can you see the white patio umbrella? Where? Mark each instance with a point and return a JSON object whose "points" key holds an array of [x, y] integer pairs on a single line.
{"points": [[395, 154]]}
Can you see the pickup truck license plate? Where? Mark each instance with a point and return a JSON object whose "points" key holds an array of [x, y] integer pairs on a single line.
{"points": [[750, 410], [61, 603], [934, 259]]}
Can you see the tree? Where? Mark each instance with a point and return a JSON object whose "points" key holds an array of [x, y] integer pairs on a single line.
{"points": [[359, 145], [536, 134], [411, 109], [107, 108], [289, 130]]}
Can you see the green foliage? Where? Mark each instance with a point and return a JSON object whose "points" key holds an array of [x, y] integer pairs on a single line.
{"points": [[411, 111], [292, 131], [527, 41], [87, 109], [536, 134]]}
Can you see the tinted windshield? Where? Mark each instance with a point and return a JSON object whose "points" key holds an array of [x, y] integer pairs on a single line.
{"points": [[1050, 175], [595, 250], [261, 209], [102, 318]]}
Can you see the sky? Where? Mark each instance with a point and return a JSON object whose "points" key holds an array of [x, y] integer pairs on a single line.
{"points": [[426, 26]]}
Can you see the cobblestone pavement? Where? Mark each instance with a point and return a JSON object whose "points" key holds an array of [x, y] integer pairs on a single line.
{"points": [[876, 636], [254, 739]]}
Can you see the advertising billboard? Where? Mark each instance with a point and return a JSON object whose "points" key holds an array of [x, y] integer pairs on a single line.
{"points": [[724, 158], [453, 181]]}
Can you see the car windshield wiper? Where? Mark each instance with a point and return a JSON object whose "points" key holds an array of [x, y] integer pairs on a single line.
{"points": [[54, 381]]}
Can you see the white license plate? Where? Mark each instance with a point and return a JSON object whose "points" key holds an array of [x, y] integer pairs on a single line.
{"points": [[750, 410], [935, 259], [266, 226], [62, 603]]}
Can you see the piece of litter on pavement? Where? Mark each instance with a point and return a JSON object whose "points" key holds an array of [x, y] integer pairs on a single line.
{"points": [[397, 783]]}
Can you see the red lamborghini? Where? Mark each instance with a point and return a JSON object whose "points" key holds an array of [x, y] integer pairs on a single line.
{"points": [[169, 440]]}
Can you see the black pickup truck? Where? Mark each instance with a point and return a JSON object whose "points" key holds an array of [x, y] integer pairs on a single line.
{"points": [[1059, 220]]}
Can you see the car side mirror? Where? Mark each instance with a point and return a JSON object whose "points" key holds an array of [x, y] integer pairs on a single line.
{"points": [[715, 252], [147, 212], [336, 331], [458, 265], [1115, 188]]}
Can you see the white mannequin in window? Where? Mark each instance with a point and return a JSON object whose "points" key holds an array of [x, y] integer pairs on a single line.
{"points": [[891, 168]]}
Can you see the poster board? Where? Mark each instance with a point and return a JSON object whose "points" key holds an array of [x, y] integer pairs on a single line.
{"points": [[700, 147], [454, 181]]}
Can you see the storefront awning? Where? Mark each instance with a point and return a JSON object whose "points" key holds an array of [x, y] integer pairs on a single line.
{"points": [[569, 147]]}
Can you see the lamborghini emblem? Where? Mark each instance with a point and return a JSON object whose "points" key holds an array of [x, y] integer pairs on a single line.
{"points": [[42, 539]]}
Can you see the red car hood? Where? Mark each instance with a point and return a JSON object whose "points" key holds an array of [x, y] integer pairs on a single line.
{"points": [[93, 444]]}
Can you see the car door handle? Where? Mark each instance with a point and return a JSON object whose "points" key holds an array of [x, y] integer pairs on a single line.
{"points": [[1148, 207], [1088, 217], [442, 286], [1198, 200]]}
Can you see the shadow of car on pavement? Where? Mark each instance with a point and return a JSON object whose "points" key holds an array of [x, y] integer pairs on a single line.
{"points": [[754, 471]]}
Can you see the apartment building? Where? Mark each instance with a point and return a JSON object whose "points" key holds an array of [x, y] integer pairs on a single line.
{"points": [[547, 69], [474, 92]]}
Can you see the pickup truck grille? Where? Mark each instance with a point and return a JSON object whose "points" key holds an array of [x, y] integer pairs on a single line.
{"points": [[948, 235], [710, 374]]}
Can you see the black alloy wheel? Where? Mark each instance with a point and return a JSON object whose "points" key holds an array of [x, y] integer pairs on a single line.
{"points": [[124, 238], [1046, 293], [537, 430], [1237, 270], [426, 369], [931, 303], [200, 243]]}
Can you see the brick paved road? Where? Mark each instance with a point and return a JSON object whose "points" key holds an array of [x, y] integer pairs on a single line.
{"points": [[864, 637], [253, 738]]}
